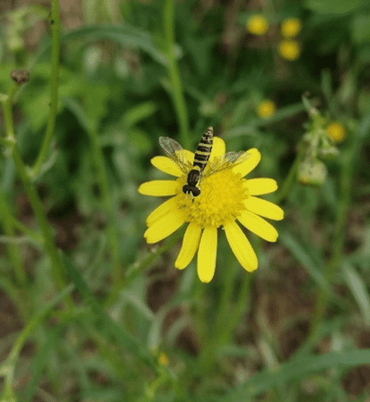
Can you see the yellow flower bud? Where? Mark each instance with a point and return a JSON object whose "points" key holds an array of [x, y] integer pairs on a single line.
{"points": [[289, 49], [266, 109], [257, 25], [290, 27], [336, 131]]}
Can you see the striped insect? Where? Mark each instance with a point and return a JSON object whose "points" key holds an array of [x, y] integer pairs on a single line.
{"points": [[197, 171]]}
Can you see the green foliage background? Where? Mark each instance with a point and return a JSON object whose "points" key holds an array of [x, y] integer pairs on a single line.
{"points": [[88, 311]]}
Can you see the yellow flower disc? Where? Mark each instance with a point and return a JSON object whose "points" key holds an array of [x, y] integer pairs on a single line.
{"points": [[290, 28], [266, 109], [336, 131], [220, 201], [257, 25], [289, 49]]}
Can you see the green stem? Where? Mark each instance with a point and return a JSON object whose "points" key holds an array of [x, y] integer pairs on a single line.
{"points": [[33, 196], [23, 228], [292, 175], [41, 219], [13, 250], [138, 268], [54, 83], [224, 310], [173, 72], [239, 309], [112, 234], [348, 163]]}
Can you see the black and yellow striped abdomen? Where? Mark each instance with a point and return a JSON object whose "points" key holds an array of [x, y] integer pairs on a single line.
{"points": [[201, 157], [204, 149]]}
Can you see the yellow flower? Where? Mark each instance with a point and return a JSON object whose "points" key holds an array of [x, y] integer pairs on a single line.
{"points": [[257, 25], [289, 49], [336, 131], [266, 109], [225, 197], [290, 27], [163, 359]]}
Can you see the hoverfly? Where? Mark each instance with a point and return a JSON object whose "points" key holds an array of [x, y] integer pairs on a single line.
{"points": [[202, 153]]}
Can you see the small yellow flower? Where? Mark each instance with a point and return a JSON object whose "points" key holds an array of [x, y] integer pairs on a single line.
{"points": [[336, 131], [163, 359], [290, 28], [257, 25], [266, 109], [226, 196], [289, 49]]}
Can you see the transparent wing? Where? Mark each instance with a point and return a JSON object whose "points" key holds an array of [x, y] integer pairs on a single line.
{"points": [[175, 152], [227, 161]]}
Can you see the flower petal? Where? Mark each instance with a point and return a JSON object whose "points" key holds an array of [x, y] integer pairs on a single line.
{"points": [[159, 188], [189, 155], [258, 226], [248, 165], [207, 254], [164, 226], [189, 245], [261, 186], [166, 165], [218, 148], [241, 247], [165, 208], [264, 208]]}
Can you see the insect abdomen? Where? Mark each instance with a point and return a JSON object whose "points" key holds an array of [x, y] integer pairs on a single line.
{"points": [[204, 149]]}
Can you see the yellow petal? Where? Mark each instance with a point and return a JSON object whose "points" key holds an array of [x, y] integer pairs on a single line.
{"points": [[159, 188], [207, 254], [164, 226], [241, 247], [248, 165], [162, 210], [261, 186], [264, 208], [166, 165], [189, 155], [189, 246], [218, 148], [258, 226]]}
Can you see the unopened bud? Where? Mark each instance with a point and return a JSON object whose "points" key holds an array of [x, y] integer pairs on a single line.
{"points": [[312, 173], [20, 76]]}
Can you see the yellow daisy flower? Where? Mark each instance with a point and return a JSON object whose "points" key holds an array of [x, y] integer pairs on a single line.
{"points": [[289, 49], [266, 108], [290, 27], [257, 25], [336, 131], [225, 197]]}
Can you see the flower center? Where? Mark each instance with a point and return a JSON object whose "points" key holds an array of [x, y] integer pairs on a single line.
{"points": [[221, 199]]}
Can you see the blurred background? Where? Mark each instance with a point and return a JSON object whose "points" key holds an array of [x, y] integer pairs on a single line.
{"points": [[90, 312]]}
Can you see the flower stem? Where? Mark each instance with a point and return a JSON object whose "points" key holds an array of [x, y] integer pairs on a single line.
{"points": [[54, 83], [112, 235], [173, 72], [348, 162], [32, 195], [13, 251], [291, 176]]}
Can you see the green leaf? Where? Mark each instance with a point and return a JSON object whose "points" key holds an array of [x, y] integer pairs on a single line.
{"points": [[358, 288], [138, 112], [122, 337], [124, 35], [333, 6], [294, 370], [305, 259], [360, 29]]}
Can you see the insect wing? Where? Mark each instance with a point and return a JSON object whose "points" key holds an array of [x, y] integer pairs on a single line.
{"points": [[175, 152], [227, 161]]}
